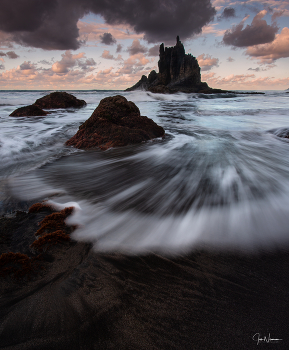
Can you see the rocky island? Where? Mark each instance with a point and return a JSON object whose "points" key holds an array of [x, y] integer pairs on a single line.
{"points": [[178, 72]]}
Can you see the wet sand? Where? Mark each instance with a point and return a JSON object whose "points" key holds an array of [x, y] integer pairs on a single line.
{"points": [[79, 299]]}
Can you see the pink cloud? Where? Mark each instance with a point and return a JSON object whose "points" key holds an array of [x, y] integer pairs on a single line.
{"points": [[207, 62], [107, 55], [267, 53], [69, 61], [245, 82], [210, 29], [69, 73], [90, 32]]}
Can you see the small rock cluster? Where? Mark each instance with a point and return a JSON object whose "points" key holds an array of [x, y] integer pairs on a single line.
{"points": [[52, 231], [54, 100]]}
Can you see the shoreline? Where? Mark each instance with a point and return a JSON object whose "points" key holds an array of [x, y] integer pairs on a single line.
{"points": [[81, 299]]}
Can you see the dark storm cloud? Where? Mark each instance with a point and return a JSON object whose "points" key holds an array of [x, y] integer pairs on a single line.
{"points": [[53, 24], [107, 39], [159, 20], [2, 54], [259, 32], [228, 12], [45, 24]]}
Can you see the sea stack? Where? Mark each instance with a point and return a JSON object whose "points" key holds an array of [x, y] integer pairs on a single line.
{"points": [[178, 71]]}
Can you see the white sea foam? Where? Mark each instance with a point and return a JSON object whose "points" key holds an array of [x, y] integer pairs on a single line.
{"points": [[219, 178]]}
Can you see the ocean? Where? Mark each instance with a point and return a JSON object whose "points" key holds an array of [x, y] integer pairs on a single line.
{"points": [[218, 179]]}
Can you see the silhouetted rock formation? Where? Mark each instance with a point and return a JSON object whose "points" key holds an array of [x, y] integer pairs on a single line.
{"points": [[28, 111], [59, 100], [115, 122], [178, 71]]}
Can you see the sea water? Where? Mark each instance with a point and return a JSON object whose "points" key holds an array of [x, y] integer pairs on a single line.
{"points": [[219, 178]]}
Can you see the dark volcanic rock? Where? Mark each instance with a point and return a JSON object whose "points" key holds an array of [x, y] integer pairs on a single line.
{"points": [[176, 68], [115, 122], [178, 71], [142, 84], [59, 100], [28, 111]]}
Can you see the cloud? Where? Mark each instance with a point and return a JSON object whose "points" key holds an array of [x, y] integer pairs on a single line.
{"points": [[119, 48], [259, 32], [107, 39], [6, 40], [154, 51], [136, 48], [44, 62], [2, 66], [268, 53], [211, 29], [26, 66], [207, 62], [52, 25], [134, 64], [87, 64], [43, 24], [230, 59], [69, 61], [228, 12], [277, 14], [245, 82], [106, 54], [255, 69], [263, 69], [64, 64], [90, 32], [158, 20], [10, 54]]}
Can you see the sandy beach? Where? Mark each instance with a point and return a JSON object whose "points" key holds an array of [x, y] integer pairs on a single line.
{"points": [[76, 298]]}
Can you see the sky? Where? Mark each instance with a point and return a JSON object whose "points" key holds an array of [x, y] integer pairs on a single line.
{"points": [[110, 44]]}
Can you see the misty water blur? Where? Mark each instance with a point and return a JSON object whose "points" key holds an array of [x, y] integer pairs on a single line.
{"points": [[219, 178]]}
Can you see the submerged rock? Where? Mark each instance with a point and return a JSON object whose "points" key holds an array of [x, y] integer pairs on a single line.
{"points": [[115, 122], [28, 111], [59, 100]]}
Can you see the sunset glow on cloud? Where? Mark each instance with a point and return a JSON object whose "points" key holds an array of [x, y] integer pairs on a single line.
{"points": [[90, 46]]}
